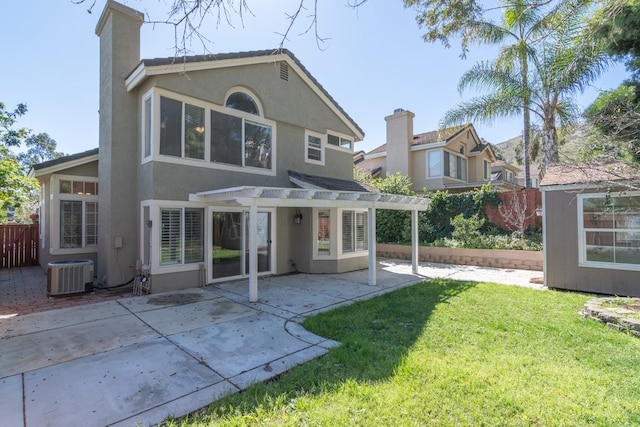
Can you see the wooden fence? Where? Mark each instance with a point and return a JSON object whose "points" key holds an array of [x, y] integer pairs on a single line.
{"points": [[517, 207], [19, 245]]}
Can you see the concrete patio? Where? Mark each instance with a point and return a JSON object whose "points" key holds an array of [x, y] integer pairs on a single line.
{"points": [[141, 359]]}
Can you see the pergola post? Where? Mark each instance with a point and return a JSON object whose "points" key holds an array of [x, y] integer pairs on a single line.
{"points": [[372, 245], [253, 253], [414, 241]]}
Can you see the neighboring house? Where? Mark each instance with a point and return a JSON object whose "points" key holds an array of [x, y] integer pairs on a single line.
{"points": [[591, 223], [505, 176], [454, 159], [210, 168]]}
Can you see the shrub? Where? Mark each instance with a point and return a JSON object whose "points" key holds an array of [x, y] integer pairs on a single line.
{"points": [[467, 230]]}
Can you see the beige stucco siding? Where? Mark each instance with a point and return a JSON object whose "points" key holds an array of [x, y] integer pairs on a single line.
{"points": [[561, 258], [476, 168], [419, 168]]}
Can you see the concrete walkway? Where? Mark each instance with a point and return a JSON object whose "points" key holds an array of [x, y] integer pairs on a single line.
{"points": [[141, 359]]}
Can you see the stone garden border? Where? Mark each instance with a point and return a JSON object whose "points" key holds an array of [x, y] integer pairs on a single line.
{"points": [[613, 317]]}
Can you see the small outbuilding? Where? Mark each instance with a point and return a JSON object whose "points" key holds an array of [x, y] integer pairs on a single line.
{"points": [[591, 226]]}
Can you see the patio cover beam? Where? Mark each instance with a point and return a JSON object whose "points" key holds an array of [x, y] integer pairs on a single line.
{"points": [[274, 197]]}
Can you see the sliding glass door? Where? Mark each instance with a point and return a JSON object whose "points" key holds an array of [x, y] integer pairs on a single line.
{"points": [[230, 243]]}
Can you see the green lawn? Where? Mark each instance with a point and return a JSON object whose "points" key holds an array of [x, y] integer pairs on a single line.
{"points": [[452, 353]]}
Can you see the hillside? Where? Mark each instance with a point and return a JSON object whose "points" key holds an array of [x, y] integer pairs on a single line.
{"points": [[568, 150]]}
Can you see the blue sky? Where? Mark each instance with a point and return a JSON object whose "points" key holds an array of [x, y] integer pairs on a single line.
{"points": [[373, 62]]}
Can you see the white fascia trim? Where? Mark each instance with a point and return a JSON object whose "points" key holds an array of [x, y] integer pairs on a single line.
{"points": [[142, 71], [66, 165], [428, 146], [136, 77], [580, 187], [375, 156]]}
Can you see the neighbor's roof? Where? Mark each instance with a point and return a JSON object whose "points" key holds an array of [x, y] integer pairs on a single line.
{"points": [[436, 136], [65, 162], [586, 173], [148, 67], [317, 182]]}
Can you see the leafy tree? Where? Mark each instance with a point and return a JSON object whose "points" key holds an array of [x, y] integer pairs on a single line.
{"points": [[10, 137], [41, 147], [615, 116], [617, 23], [16, 189]]}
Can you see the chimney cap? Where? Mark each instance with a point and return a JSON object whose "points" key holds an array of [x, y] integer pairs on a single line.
{"points": [[399, 110]]}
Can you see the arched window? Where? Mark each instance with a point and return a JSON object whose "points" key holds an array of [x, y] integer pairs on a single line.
{"points": [[244, 102]]}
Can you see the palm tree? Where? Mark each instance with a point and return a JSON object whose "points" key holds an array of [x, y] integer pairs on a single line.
{"points": [[562, 65], [523, 26]]}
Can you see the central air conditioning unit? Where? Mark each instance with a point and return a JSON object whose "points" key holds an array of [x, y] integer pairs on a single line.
{"points": [[69, 277]]}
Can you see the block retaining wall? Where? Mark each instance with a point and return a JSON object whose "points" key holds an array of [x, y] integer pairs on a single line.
{"points": [[498, 258]]}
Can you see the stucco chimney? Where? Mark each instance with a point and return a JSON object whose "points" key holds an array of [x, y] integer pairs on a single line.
{"points": [[119, 32], [399, 138]]}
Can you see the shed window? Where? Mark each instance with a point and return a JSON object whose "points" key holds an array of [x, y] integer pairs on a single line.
{"points": [[609, 227]]}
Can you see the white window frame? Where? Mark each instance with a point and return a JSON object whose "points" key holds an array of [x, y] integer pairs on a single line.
{"points": [[356, 252], [54, 219], [582, 246], [246, 91], [244, 211], [333, 247], [155, 236], [147, 132], [486, 171], [466, 166], [307, 147], [509, 175], [345, 142], [441, 169], [335, 235], [155, 94]]}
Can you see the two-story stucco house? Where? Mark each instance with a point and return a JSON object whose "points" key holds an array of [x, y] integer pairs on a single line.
{"points": [[454, 159], [209, 168]]}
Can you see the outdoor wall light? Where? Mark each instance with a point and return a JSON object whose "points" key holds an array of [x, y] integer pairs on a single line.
{"points": [[297, 218]]}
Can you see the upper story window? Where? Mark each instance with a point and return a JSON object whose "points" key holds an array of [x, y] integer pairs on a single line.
{"points": [[244, 102], [486, 170], [178, 129], [314, 147], [434, 164], [339, 141], [508, 176], [609, 231], [455, 166], [443, 163], [181, 129]]}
